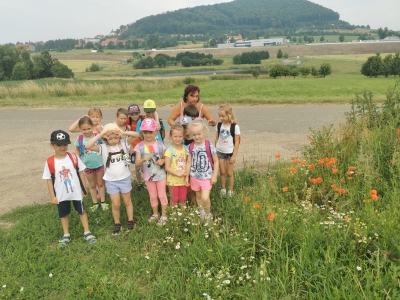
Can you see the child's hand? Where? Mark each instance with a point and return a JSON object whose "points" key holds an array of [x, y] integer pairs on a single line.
{"points": [[213, 180], [54, 200], [212, 122], [232, 160], [148, 157], [160, 162], [187, 181], [83, 194]]}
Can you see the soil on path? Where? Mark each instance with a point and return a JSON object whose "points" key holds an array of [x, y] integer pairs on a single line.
{"points": [[265, 131]]}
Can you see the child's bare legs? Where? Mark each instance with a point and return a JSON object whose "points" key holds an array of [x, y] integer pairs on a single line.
{"points": [[92, 185], [138, 175], [203, 200], [126, 197], [222, 172], [192, 196], [164, 210], [84, 221], [116, 204], [100, 185], [230, 175], [65, 224]]}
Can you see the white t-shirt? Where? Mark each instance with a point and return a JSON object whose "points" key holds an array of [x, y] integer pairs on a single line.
{"points": [[118, 168], [225, 140], [66, 183]]}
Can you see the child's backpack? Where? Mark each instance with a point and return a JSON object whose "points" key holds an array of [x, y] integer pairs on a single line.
{"points": [[232, 130], [82, 146], [74, 159], [208, 151]]}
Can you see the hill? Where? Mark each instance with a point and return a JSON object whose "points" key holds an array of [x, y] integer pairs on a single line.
{"points": [[237, 16]]}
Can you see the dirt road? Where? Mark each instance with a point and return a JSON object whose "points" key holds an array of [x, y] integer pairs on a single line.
{"points": [[25, 134]]}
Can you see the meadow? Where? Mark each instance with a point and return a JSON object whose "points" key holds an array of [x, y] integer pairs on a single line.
{"points": [[323, 225], [118, 84]]}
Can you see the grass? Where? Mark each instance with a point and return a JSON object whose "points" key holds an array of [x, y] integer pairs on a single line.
{"points": [[319, 226]]}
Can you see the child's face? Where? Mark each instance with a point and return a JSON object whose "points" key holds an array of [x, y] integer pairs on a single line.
{"points": [[59, 150], [95, 118], [113, 139], [121, 120], [134, 116], [87, 130], [222, 116], [149, 136], [198, 134], [177, 137]]}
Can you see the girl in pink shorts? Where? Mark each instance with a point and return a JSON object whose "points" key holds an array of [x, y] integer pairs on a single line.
{"points": [[202, 167]]}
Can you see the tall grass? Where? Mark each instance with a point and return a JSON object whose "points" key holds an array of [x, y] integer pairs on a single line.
{"points": [[321, 226]]}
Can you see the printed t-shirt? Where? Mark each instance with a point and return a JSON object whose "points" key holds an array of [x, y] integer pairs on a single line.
{"points": [[66, 183], [151, 171], [178, 164], [225, 140], [118, 168], [201, 166]]}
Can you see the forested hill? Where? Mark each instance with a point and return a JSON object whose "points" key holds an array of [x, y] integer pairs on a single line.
{"points": [[235, 16]]}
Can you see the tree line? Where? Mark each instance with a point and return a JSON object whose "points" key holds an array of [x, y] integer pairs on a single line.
{"points": [[293, 71], [376, 66], [186, 59], [253, 57], [16, 64]]}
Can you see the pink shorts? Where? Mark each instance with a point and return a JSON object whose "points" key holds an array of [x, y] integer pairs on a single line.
{"points": [[200, 184], [90, 171]]}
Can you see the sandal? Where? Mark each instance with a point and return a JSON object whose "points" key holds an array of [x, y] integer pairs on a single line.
{"points": [[117, 228], [65, 240], [90, 238]]}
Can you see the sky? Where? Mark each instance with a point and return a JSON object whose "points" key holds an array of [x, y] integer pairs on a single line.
{"points": [[43, 20]]}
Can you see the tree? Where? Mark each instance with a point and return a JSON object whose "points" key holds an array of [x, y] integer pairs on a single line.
{"points": [[237, 59], [42, 65], [286, 55], [275, 71], [95, 67], [305, 71], [60, 70], [300, 40], [186, 62], [160, 61], [373, 66], [20, 72], [217, 61], [314, 71], [321, 39], [325, 69], [279, 54], [294, 72], [387, 65], [255, 73], [110, 45], [294, 39], [341, 38], [89, 45]]}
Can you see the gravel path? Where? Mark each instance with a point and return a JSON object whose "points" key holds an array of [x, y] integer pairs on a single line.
{"points": [[266, 130]]}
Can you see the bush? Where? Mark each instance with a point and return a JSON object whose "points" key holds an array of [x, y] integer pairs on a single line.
{"points": [[188, 80], [95, 67], [61, 71]]}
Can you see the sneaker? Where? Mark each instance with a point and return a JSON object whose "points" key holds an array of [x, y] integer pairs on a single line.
{"points": [[131, 224], [162, 221], [94, 207], [65, 240], [230, 193], [208, 218], [223, 192], [153, 218], [117, 228], [202, 214], [104, 206], [90, 238], [139, 187]]}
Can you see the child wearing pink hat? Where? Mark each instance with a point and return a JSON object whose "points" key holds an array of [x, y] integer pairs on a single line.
{"points": [[149, 155]]}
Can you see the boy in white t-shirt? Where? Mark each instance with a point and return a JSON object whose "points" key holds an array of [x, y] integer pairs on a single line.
{"points": [[65, 187]]}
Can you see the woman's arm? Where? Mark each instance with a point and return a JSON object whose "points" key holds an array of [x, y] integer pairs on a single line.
{"points": [[176, 112], [208, 115]]}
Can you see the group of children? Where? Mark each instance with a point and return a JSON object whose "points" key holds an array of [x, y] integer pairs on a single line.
{"points": [[189, 165]]}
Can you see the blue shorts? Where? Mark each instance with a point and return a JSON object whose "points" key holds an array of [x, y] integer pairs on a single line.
{"points": [[226, 156], [64, 207], [122, 186]]}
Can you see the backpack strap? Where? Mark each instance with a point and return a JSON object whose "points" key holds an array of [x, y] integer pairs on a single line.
{"points": [[121, 151], [50, 164], [219, 128], [232, 129], [81, 146], [208, 152]]}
